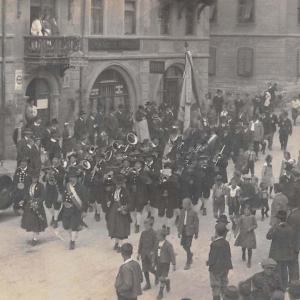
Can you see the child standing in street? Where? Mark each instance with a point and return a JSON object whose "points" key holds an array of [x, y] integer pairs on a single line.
{"points": [[219, 262], [188, 227], [219, 192], [251, 157], [146, 245], [257, 203], [233, 201], [246, 238], [163, 255], [267, 173], [265, 200]]}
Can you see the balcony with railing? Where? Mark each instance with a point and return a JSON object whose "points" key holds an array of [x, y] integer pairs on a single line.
{"points": [[50, 49]]}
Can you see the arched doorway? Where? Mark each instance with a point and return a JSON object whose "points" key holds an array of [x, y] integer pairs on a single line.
{"points": [[39, 90], [171, 85], [109, 90]]}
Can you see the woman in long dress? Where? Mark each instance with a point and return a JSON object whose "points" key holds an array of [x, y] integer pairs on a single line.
{"points": [[34, 217]]}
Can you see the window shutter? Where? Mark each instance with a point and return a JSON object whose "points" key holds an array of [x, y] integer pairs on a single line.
{"points": [[248, 62], [248, 10], [241, 12], [212, 61], [298, 63], [241, 60]]}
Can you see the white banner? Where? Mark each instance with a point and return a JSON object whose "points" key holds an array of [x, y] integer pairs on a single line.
{"points": [[42, 103]]}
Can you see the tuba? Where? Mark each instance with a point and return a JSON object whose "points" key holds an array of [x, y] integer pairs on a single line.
{"points": [[85, 164], [131, 140]]}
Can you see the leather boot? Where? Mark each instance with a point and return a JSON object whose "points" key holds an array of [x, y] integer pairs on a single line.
{"points": [[216, 297], [147, 286], [168, 285], [161, 293], [187, 266]]}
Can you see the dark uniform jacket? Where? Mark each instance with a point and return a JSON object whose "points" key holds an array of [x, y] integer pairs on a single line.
{"points": [[79, 128], [39, 194], [273, 123], [54, 149], [21, 176], [125, 199], [99, 120], [147, 242], [219, 256], [227, 142], [90, 125], [287, 184], [168, 121], [285, 127], [67, 143], [36, 130], [21, 145], [156, 129], [294, 222], [138, 186], [237, 142], [247, 138], [112, 126], [46, 139], [282, 242], [35, 160], [218, 103], [16, 135]]}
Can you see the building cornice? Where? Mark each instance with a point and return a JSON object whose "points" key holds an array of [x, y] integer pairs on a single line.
{"points": [[254, 35]]}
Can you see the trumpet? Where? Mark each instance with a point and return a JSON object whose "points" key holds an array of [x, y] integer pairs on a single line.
{"points": [[93, 150], [218, 156]]}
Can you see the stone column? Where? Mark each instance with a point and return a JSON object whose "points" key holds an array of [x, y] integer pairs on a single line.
{"points": [[54, 98]]}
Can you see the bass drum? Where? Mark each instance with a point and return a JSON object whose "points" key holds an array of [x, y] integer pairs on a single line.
{"points": [[5, 188]]}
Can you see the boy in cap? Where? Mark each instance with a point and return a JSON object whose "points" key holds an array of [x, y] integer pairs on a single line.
{"points": [[188, 227], [219, 262], [163, 255], [219, 193], [281, 249], [267, 281], [146, 245], [130, 277]]}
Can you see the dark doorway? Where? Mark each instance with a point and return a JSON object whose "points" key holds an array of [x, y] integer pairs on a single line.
{"points": [[39, 90]]}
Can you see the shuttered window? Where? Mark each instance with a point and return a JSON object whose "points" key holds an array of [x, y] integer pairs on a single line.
{"points": [[190, 20], [166, 20], [213, 13], [212, 63], [246, 11], [245, 62], [130, 24], [97, 17]]}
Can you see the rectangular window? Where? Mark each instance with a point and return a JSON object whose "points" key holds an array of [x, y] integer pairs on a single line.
{"points": [[129, 26], [213, 15], [166, 20], [212, 63], [246, 11], [97, 17], [190, 20], [245, 62]]}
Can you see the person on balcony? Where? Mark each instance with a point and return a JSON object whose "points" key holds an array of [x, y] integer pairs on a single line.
{"points": [[37, 25], [47, 25]]}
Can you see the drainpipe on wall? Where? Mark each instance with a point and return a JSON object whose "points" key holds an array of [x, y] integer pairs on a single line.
{"points": [[82, 49], [2, 111]]}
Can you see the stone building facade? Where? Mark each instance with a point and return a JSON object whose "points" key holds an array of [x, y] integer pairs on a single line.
{"points": [[135, 52], [253, 43]]}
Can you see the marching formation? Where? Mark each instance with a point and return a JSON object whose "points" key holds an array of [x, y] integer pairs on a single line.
{"points": [[144, 171]]}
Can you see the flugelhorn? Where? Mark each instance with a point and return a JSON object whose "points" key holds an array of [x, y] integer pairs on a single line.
{"points": [[85, 164]]}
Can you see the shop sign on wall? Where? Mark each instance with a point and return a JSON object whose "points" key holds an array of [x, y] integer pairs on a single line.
{"points": [[18, 80]]}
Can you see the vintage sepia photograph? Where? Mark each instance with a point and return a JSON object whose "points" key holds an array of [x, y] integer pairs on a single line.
{"points": [[149, 149]]}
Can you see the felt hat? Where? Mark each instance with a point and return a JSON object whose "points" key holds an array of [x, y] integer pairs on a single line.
{"points": [[294, 287], [81, 113], [54, 121], [247, 176], [268, 262], [281, 215], [218, 178], [288, 167], [232, 293], [37, 138], [219, 91], [155, 117], [140, 107], [168, 106], [148, 103], [33, 173], [73, 172], [222, 219], [119, 179]]}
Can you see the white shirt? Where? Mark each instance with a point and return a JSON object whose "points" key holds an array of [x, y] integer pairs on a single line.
{"points": [[36, 27], [32, 187], [160, 244], [185, 217], [117, 194]]}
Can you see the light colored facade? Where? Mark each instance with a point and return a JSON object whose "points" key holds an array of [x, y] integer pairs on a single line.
{"points": [[267, 33], [135, 50]]}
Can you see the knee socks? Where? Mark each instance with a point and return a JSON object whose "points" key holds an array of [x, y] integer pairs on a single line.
{"points": [[138, 218]]}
